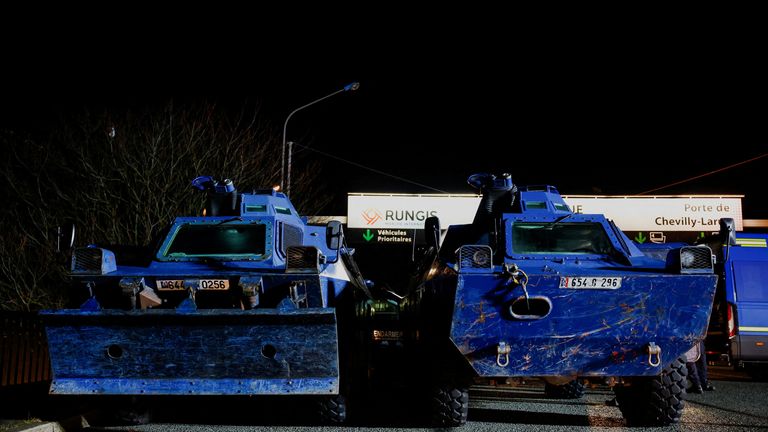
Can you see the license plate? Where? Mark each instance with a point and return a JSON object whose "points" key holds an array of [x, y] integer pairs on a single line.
{"points": [[203, 284], [214, 284], [590, 282], [171, 285]]}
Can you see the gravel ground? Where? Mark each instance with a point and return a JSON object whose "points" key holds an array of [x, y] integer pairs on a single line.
{"points": [[737, 404]]}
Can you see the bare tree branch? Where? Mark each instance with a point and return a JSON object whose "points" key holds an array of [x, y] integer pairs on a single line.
{"points": [[122, 187]]}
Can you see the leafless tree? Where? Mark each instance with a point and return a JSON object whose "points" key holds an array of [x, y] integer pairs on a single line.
{"points": [[122, 178]]}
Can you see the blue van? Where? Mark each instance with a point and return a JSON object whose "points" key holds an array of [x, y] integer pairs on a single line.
{"points": [[741, 303]]}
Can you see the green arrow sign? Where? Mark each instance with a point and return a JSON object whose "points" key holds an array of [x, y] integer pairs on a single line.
{"points": [[640, 238], [368, 235]]}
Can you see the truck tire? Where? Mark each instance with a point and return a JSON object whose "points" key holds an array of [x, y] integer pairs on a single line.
{"points": [[655, 401], [450, 405], [571, 390], [332, 409]]}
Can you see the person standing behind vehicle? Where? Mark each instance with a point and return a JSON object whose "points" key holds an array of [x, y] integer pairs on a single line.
{"points": [[697, 370]]}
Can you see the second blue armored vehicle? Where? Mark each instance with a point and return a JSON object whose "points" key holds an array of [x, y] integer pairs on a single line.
{"points": [[531, 289]]}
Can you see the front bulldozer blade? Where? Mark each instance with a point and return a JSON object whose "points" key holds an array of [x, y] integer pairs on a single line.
{"points": [[206, 352]]}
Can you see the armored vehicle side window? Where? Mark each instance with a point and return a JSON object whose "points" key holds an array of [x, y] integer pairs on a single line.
{"points": [[560, 238], [217, 240]]}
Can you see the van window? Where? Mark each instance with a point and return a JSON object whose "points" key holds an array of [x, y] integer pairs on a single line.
{"points": [[751, 280]]}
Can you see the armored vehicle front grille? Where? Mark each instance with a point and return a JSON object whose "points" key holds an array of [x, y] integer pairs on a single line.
{"points": [[696, 260], [302, 259], [475, 257], [86, 260]]}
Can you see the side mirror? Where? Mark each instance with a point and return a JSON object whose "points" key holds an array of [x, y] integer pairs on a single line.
{"points": [[728, 231], [334, 235], [65, 237], [432, 232]]}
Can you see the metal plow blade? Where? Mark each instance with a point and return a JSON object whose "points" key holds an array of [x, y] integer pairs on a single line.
{"points": [[221, 352]]}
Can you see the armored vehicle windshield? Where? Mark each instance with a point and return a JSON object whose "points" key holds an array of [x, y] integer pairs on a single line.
{"points": [[560, 238], [216, 240]]}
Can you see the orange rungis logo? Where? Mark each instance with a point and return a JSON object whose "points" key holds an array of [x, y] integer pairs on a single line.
{"points": [[371, 216]]}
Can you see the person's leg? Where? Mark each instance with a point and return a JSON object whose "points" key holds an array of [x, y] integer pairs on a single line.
{"points": [[693, 375], [701, 367]]}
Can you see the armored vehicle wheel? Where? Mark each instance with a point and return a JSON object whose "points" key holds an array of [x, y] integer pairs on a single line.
{"points": [[571, 390], [450, 405], [134, 411], [655, 401], [332, 409]]}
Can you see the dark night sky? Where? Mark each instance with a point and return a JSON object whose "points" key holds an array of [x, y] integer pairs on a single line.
{"points": [[587, 114]]}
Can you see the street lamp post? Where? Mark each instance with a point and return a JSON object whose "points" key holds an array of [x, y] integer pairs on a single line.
{"points": [[353, 86]]}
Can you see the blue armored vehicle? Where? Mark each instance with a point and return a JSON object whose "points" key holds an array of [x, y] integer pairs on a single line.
{"points": [[531, 289], [244, 300]]}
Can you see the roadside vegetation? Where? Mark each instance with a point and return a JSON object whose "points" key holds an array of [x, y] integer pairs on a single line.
{"points": [[121, 178]]}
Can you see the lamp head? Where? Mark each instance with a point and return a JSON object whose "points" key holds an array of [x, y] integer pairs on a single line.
{"points": [[354, 86]]}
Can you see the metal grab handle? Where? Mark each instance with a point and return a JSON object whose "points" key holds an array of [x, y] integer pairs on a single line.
{"points": [[502, 349], [519, 277], [653, 350]]}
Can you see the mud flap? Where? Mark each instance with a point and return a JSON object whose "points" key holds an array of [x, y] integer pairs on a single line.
{"points": [[206, 352]]}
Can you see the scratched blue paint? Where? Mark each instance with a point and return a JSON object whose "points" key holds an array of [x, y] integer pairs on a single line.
{"points": [[587, 332], [204, 352]]}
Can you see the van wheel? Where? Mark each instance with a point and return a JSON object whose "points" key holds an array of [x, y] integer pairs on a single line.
{"points": [[571, 390], [655, 401]]}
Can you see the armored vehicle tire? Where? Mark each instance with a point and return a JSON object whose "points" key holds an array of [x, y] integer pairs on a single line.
{"points": [[571, 390], [332, 409], [134, 411], [655, 401], [450, 405]]}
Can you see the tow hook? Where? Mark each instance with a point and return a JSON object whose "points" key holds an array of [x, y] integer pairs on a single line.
{"points": [[518, 276], [653, 350], [502, 350]]}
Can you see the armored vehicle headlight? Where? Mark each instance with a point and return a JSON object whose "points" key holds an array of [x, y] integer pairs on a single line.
{"points": [[481, 258], [686, 259], [475, 257], [696, 259], [93, 261]]}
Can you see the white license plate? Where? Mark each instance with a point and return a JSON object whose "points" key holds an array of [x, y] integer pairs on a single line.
{"points": [[170, 285], [214, 284], [203, 284], [590, 282]]}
